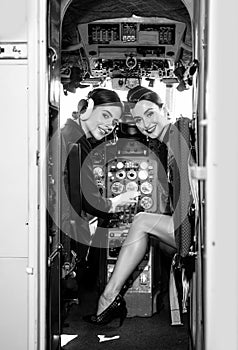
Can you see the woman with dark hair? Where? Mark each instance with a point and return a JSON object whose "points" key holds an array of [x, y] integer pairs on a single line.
{"points": [[147, 111], [96, 117], [99, 113]]}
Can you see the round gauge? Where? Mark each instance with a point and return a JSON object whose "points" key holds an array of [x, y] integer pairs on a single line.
{"points": [[143, 174], [117, 187], [132, 186], [146, 202], [144, 165], [132, 175], [121, 174], [120, 165], [146, 187], [98, 172]]}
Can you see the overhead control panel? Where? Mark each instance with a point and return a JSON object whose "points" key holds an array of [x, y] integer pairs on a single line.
{"points": [[155, 34], [128, 49], [144, 37]]}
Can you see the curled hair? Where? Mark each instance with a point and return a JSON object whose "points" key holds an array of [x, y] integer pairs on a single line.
{"points": [[139, 93]]}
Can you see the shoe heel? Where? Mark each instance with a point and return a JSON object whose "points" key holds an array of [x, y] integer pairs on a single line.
{"points": [[123, 316], [116, 310]]}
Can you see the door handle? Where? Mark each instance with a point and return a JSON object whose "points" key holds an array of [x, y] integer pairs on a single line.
{"points": [[52, 54], [57, 250]]}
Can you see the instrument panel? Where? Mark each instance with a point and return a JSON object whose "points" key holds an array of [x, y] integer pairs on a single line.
{"points": [[129, 165], [137, 174]]}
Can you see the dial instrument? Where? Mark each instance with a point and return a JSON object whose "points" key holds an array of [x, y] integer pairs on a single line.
{"points": [[121, 174], [146, 202], [117, 187], [132, 186], [146, 187], [143, 174]]}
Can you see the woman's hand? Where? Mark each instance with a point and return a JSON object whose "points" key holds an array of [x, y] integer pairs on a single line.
{"points": [[125, 198]]}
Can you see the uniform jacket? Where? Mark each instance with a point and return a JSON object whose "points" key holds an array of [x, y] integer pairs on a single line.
{"points": [[91, 201], [178, 143]]}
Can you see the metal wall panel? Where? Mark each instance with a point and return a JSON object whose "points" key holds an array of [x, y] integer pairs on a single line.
{"points": [[13, 20], [14, 159], [13, 304], [221, 241]]}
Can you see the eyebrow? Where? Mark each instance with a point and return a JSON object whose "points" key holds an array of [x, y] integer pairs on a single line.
{"points": [[148, 109]]}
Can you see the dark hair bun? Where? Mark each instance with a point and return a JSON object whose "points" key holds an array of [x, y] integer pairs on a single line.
{"points": [[135, 93], [102, 96], [139, 93]]}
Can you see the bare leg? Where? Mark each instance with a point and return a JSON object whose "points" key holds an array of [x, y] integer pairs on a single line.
{"points": [[133, 250]]}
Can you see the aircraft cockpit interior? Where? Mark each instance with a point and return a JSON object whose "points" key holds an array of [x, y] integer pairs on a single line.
{"points": [[125, 51], [118, 46], [119, 166], [153, 43]]}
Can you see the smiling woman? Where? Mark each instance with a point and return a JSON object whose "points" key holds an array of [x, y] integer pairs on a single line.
{"points": [[100, 113], [96, 117], [148, 112]]}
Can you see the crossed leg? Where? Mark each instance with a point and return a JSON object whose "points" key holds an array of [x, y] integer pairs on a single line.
{"points": [[133, 250]]}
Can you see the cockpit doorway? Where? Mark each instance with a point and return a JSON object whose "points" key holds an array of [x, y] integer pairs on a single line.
{"points": [[117, 47]]}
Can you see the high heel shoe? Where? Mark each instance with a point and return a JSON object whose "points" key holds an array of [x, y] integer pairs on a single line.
{"points": [[117, 309]]}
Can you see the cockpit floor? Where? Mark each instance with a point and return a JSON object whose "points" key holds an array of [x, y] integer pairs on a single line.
{"points": [[154, 333]]}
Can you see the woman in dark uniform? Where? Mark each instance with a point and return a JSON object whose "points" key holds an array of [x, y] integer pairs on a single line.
{"points": [[96, 117], [151, 120]]}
